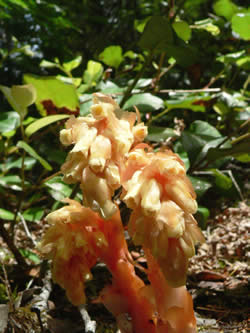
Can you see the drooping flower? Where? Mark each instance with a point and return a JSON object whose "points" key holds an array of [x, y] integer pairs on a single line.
{"points": [[162, 198], [73, 242], [101, 142]]}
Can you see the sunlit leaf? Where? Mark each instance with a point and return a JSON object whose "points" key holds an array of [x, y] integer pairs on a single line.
{"points": [[241, 25], [33, 153], [20, 97], [40, 123], [207, 25], [225, 8], [70, 65], [6, 215], [93, 72], [50, 88], [204, 130], [112, 56], [194, 103]]}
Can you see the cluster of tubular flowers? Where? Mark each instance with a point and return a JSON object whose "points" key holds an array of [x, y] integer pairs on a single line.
{"points": [[101, 142], [162, 198], [73, 242]]}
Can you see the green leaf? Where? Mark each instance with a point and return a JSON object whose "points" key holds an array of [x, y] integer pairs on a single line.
{"points": [[207, 25], [222, 181], [201, 216], [204, 130], [48, 64], [144, 102], [58, 189], [182, 30], [241, 25], [9, 163], [85, 104], [192, 144], [49, 88], [9, 121], [112, 56], [158, 30], [158, 134], [20, 97], [225, 8], [12, 182], [33, 214], [93, 73], [200, 185], [231, 57], [30, 255], [6, 215], [33, 153], [179, 149], [194, 103], [40, 123], [235, 151], [70, 65]]}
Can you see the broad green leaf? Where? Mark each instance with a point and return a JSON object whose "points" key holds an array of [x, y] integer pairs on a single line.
{"points": [[76, 81], [93, 73], [6, 215], [159, 134], [9, 121], [49, 88], [30, 255], [201, 216], [207, 25], [33, 214], [222, 181], [70, 65], [112, 56], [241, 25], [33, 153], [158, 30], [24, 95], [58, 189], [225, 8], [144, 102], [204, 130], [200, 185], [20, 97], [40, 123], [182, 30]]}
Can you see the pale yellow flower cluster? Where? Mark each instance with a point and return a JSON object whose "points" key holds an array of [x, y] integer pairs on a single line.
{"points": [[163, 200], [73, 242], [101, 142]]}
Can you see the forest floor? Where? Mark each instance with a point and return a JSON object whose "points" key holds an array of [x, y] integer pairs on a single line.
{"points": [[218, 281]]}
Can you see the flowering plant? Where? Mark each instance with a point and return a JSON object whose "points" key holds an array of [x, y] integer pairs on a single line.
{"points": [[108, 154]]}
